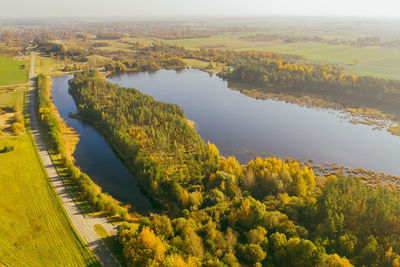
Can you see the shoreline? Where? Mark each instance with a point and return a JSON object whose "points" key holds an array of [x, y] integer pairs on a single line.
{"points": [[375, 118]]}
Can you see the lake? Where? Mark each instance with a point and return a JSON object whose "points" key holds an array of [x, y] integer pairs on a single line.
{"points": [[238, 124], [95, 157]]}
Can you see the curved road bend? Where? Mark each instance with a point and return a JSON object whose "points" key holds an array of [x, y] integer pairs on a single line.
{"points": [[83, 225]]}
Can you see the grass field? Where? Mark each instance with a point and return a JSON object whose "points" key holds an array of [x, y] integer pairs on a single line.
{"points": [[47, 65], [34, 228], [194, 63], [12, 98], [376, 61], [12, 72]]}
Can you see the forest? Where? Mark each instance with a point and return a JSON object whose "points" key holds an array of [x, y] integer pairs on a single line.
{"points": [[324, 81], [269, 212]]}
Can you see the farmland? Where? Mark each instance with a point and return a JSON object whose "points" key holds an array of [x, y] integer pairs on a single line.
{"points": [[34, 229], [13, 71], [373, 60]]}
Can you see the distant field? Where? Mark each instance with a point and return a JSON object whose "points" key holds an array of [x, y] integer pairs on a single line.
{"points": [[47, 65], [12, 72], [34, 229], [375, 61], [194, 63]]}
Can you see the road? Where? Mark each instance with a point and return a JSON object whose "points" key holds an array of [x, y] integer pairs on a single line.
{"points": [[83, 225]]}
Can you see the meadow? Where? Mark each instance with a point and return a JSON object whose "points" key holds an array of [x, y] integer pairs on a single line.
{"points": [[12, 71], [12, 97], [373, 60], [47, 65], [34, 229]]}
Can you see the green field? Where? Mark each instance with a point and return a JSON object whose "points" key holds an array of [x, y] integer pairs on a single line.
{"points": [[11, 98], [12, 72], [34, 228], [48, 66], [376, 61]]}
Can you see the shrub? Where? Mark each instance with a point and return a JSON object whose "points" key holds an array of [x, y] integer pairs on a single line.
{"points": [[7, 149], [17, 128]]}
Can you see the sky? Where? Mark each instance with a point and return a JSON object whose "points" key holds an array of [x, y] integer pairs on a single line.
{"points": [[152, 8]]}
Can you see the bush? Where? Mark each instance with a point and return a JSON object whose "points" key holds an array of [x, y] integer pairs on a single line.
{"points": [[19, 118], [7, 149], [17, 128], [15, 108]]}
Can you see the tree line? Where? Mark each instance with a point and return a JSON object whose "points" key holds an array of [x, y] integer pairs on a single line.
{"points": [[53, 132], [269, 212]]}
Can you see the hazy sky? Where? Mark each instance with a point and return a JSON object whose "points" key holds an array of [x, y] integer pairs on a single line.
{"points": [[133, 8]]}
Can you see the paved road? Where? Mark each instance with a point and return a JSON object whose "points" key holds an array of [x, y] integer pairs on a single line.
{"points": [[83, 225]]}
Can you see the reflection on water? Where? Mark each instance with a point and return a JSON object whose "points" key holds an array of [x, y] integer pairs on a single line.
{"points": [[94, 156], [238, 124]]}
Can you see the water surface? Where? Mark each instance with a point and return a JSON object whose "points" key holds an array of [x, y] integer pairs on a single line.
{"points": [[238, 124], [94, 156]]}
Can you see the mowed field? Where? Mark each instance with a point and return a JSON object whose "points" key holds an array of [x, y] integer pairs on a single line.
{"points": [[373, 60], [12, 97], [34, 228], [34, 231], [12, 71]]}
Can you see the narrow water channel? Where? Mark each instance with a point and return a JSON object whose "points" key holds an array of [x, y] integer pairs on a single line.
{"points": [[95, 157]]}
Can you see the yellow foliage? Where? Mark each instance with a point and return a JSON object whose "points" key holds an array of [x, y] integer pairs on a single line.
{"points": [[176, 261], [303, 177], [212, 149], [149, 240], [185, 198], [334, 260], [284, 198], [231, 166], [244, 209]]}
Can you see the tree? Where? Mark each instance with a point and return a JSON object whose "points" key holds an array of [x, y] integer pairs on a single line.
{"points": [[252, 253], [301, 252], [257, 235], [145, 250], [185, 197], [371, 252], [161, 225], [333, 260]]}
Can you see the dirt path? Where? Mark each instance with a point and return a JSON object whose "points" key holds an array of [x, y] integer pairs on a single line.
{"points": [[83, 225], [14, 85]]}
